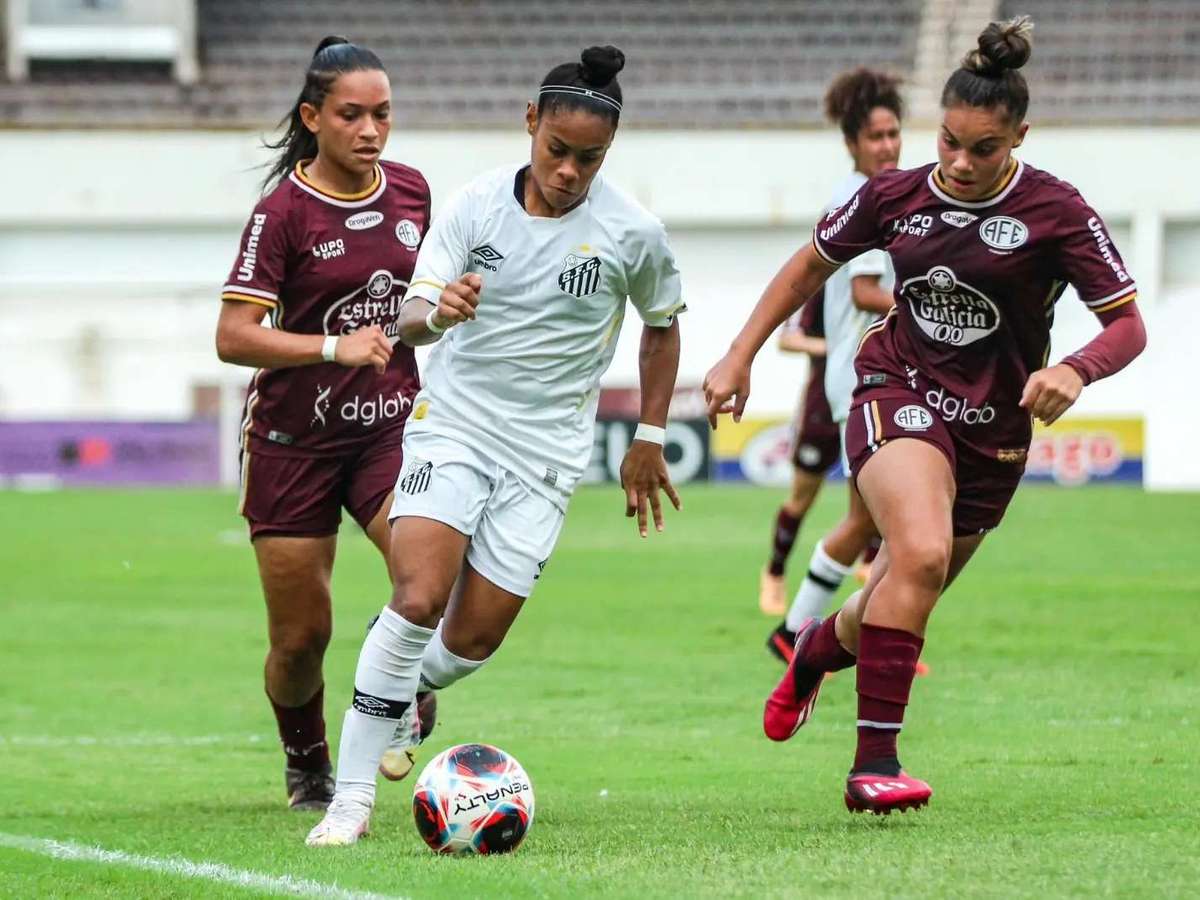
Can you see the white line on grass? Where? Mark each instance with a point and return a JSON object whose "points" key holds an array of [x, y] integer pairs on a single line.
{"points": [[127, 740], [204, 871]]}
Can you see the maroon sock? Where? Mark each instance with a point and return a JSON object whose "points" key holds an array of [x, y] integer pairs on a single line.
{"points": [[887, 662], [872, 550], [823, 652], [786, 528], [302, 732]]}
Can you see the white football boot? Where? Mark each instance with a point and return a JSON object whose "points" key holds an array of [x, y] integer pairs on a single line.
{"points": [[345, 822]]}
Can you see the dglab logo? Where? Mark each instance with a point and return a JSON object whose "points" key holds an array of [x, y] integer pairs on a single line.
{"points": [[1003, 232], [956, 409], [408, 233], [364, 220], [947, 310], [913, 418]]}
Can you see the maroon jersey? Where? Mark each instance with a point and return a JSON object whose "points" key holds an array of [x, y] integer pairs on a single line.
{"points": [[976, 284], [326, 263]]}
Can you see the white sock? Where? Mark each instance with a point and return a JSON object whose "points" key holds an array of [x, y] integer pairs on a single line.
{"points": [[385, 684], [440, 668], [821, 582]]}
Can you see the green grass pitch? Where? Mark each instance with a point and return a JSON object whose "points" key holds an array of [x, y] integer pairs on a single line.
{"points": [[1059, 728]]}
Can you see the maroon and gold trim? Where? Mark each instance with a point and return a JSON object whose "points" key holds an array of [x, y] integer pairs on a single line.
{"points": [[360, 198], [247, 298]]}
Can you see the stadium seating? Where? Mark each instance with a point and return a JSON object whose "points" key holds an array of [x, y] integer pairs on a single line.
{"points": [[702, 63], [693, 63], [1123, 61]]}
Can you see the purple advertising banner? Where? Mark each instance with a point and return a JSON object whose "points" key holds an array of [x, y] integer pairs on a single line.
{"points": [[110, 453]]}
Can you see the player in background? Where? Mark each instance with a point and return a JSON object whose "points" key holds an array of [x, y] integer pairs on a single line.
{"points": [[327, 255], [816, 446], [867, 107], [948, 382], [523, 282]]}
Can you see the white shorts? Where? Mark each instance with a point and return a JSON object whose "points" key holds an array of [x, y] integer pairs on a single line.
{"points": [[512, 528]]}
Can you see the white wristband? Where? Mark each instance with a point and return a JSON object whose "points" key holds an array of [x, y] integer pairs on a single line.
{"points": [[650, 433], [329, 348], [429, 323]]}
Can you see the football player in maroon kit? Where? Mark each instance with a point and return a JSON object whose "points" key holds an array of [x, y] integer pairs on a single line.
{"points": [[327, 255], [948, 383], [816, 446]]}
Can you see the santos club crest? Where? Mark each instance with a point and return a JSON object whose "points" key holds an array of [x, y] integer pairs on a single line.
{"points": [[580, 275]]}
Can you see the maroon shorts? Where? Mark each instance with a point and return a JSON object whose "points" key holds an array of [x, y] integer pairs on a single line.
{"points": [[985, 478], [818, 443], [303, 496]]}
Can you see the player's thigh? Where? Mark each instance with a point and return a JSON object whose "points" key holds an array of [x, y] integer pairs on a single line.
{"points": [[436, 510], [479, 616], [516, 536], [902, 458], [369, 482], [295, 574]]}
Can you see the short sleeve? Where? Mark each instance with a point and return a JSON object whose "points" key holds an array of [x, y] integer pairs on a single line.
{"points": [[445, 252], [873, 262], [1089, 260], [262, 260], [850, 230], [654, 285]]}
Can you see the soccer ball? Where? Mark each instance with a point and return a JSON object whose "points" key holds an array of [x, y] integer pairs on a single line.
{"points": [[473, 798]]}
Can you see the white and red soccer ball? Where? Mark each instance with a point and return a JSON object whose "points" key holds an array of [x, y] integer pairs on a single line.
{"points": [[473, 798]]}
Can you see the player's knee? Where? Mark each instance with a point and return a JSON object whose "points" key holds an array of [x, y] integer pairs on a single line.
{"points": [[924, 559], [418, 606], [299, 651]]}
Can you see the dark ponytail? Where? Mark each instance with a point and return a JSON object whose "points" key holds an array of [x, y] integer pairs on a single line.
{"points": [[592, 84], [988, 75], [333, 57], [852, 96]]}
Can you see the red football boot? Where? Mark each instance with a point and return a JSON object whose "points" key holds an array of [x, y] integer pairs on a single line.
{"points": [[791, 704], [880, 794]]}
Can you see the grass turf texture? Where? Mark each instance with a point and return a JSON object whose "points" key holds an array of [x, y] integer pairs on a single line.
{"points": [[1059, 727]]}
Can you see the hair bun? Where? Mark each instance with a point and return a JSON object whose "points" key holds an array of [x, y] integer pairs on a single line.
{"points": [[330, 41], [1002, 46], [600, 65]]}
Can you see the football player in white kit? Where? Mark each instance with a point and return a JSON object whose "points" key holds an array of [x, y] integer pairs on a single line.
{"points": [[522, 280], [866, 105]]}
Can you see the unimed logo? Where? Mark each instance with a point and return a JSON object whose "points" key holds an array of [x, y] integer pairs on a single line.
{"points": [[250, 251]]}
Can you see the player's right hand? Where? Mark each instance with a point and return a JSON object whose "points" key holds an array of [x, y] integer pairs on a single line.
{"points": [[366, 347], [728, 380], [458, 301]]}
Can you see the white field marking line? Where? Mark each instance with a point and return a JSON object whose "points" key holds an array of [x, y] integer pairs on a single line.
{"points": [[203, 871], [128, 740]]}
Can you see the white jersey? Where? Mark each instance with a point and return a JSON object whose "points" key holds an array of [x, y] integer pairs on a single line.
{"points": [[521, 382], [845, 322]]}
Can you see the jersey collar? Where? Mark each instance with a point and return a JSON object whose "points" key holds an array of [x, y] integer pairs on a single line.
{"points": [[346, 201], [1007, 183]]}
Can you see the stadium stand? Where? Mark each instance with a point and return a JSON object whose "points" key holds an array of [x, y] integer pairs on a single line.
{"points": [[693, 64], [702, 63], [1121, 61]]}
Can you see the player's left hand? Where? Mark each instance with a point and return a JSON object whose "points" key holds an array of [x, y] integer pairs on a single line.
{"points": [[643, 475], [1051, 392], [727, 388]]}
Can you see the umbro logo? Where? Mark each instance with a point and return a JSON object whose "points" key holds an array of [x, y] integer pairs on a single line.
{"points": [[487, 256]]}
